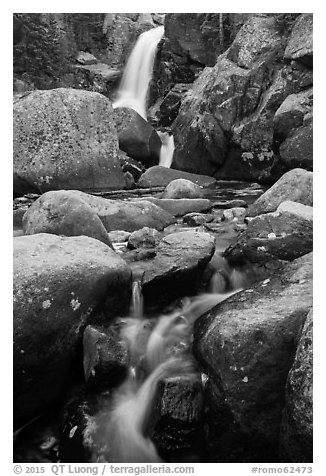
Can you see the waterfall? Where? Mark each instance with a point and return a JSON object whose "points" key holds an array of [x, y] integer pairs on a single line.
{"points": [[167, 149], [138, 72], [157, 350]]}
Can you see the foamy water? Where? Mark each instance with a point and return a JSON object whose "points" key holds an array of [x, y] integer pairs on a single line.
{"points": [[138, 72]]}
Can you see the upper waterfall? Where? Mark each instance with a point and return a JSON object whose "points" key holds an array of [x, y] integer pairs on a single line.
{"points": [[138, 72]]}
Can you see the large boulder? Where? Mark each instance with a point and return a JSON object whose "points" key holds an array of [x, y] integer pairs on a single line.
{"points": [[246, 346], [58, 211], [158, 176], [297, 423], [297, 149], [177, 267], [295, 185], [63, 139], [137, 137], [284, 234], [60, 285], [63, 213], [182, 188], [300, 45]]}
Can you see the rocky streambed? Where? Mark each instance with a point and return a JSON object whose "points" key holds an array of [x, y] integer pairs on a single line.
{"points": [[73, 268]]}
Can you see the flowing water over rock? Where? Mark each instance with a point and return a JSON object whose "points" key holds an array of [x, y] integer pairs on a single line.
{"points": [[121, 433], [138, 72]]}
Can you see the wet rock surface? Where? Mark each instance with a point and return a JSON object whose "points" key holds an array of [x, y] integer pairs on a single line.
{"points": [[178, 265], [247, 346], [59, 283], [296, 443], [177, 417], [105, 358], [137, 137]]}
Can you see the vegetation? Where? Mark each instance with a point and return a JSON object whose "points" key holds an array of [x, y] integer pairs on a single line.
{"points": [[37, 49]]}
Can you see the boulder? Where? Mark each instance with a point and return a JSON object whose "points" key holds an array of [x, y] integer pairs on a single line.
{"points": [[180, 206], [177, 418], [84, 57], [197, 219], [63, 213], [295, 185], [137, 137], [63, 139], [297, 423], [143, 238], [282, 235], [105, 358], [290, 115], [300, 44], [297, 149], [246, 346], [60, 285], [182, 188], [119, 236], [119, 215], [158, 176], [177, 267]]}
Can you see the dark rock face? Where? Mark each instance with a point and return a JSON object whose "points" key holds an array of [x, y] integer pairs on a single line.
{"points": [[282, 235], [65, 138], [137, 137], [63, 213], [192, 41], [158, 176], [225, 123], [177, 417], [170, 105], [59, 283], [247, 345], [295, 185], [297, 149], [105, 358], [297, 423]]}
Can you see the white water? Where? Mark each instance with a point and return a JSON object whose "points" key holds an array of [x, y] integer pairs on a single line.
{"points": [[156, 352], [167, 149], [138, 72]]}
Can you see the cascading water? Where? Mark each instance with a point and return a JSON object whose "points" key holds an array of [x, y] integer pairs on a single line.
{"points": [[156, 352], [135, 81], [138, 72], [167, 149]]}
